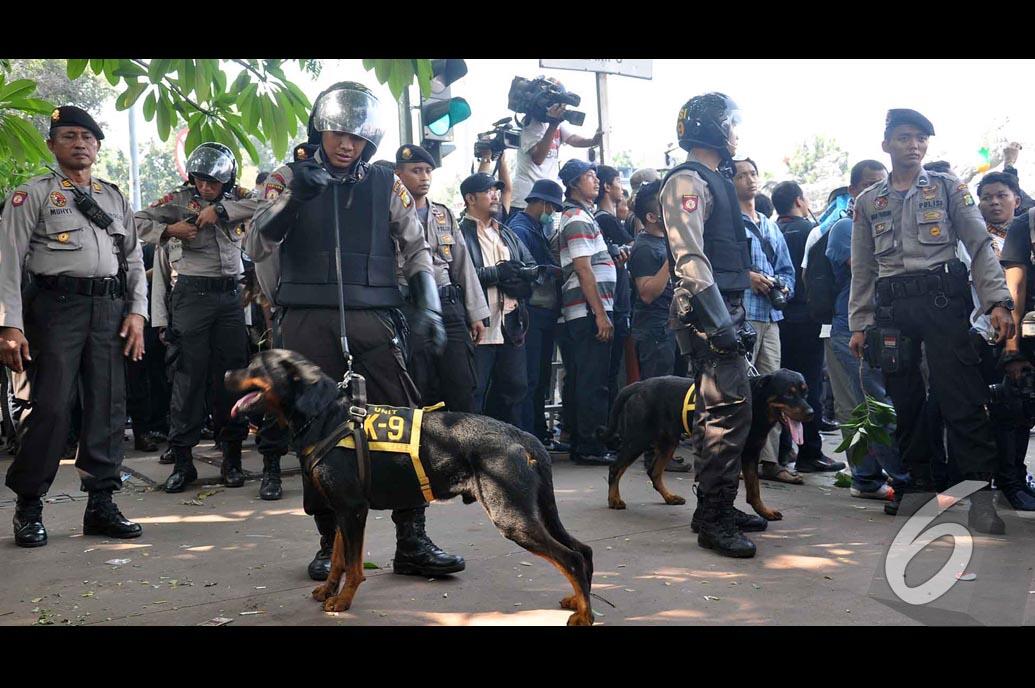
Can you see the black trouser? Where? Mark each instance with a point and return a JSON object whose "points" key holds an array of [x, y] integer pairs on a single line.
{"points": [[206, 330], [622, 326], [147, 387], [449, 376], [801, 350], [75, 345], [376, 355], [586, 364], [502, 380], [722, 417], [272, 438], [955, 378], [539, 341]]}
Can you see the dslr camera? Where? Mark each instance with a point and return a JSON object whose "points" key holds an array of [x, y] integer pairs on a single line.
{"points": [[778, 293], [535, 97], [500, 138], [1019, 395]]}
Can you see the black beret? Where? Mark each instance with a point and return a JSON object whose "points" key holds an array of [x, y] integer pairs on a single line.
{"points": [[899, 116], [411, 153], [71, 116]]}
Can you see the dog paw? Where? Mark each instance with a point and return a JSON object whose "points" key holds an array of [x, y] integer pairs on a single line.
{"points": [[569, 603], [674, 500], [321, 592], [615, 504], [581, 619], [339, 603], [772, 515]]}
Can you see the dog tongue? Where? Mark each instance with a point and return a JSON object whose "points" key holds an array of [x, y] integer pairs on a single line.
{"points": [[797, 432], [244, 401]]}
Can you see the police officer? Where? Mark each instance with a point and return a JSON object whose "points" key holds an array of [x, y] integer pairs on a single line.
{"points": [[450, 376], [201, 226], [710, 259], [73, 318], [908, 282], [375, 214]]}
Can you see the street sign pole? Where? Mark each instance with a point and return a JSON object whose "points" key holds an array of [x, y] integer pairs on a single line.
{"points": [[405, 120], [602, 116]]}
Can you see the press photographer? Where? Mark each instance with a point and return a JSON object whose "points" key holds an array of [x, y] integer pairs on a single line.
{"points": [[489, 149], [544, 102]]}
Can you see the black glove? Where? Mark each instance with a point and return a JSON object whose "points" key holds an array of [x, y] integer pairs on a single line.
{"points": [[427, 320], [507, 270], [309, 180], [713, 318]]}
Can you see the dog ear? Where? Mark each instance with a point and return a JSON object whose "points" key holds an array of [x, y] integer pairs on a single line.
{"points": [[315, 395]]}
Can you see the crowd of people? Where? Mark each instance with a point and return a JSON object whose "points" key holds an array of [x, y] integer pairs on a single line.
{"points": [[684, 273]]}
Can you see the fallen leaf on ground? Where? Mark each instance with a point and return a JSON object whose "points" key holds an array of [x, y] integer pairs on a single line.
{"points": [[712, 598], [370, 565], [117, 562], [261, 611]]}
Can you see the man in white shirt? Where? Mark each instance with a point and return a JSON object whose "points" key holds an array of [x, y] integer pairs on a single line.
{"points": [[540, 143]]}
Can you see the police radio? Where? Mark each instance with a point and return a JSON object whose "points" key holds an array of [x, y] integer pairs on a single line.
{"points": [[86, 205]]}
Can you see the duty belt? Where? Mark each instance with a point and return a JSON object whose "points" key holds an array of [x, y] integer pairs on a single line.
{"points": [[209, 283], [85, 286], [453, 293], [904, 286]]}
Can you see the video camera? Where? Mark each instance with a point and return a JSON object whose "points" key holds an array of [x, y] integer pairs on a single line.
{"points": [[778, 293], [1020, 394], [500, 138], [535, 97]]}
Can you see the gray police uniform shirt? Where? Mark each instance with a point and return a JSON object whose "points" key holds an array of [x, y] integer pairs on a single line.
{"points": [[403, 223], [898, 233], [163, 277], [216, 249], [44, 230], [451, 260]]}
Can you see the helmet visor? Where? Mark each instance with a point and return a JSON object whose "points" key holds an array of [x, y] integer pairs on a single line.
{"points": [[211, 162], [352, 112]]}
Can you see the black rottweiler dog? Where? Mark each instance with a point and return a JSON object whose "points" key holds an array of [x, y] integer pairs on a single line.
{"points": [[466, 455], [650, 412]]}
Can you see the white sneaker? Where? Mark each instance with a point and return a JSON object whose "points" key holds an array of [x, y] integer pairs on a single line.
{"points": [[885, 492]]}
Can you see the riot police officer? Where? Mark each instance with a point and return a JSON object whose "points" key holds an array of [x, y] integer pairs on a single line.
{"points": [[710, 255], [450, 376], [908, 288], [200, 226], [375, 214], [71, 319]]}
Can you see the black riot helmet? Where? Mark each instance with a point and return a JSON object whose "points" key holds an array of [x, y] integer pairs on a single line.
{"points": [[707, 121], [214, 161], [350, 107]]}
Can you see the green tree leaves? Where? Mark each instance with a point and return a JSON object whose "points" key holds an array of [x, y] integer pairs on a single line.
{"points": [[869, 422], [21, 146]]}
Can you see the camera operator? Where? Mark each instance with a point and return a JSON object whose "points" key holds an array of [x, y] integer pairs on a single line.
{"points": [[540, 143], [486, 158], [1010, 422], [506, 271]]}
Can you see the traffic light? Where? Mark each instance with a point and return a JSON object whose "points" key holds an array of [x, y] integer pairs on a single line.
{"points": [[439, 111]]}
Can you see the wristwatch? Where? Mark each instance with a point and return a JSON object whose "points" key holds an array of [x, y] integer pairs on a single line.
{"points": [[1007, 304]]}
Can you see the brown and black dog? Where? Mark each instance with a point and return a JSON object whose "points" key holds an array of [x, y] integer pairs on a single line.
{"points": [[651, 412], [464, 455]]}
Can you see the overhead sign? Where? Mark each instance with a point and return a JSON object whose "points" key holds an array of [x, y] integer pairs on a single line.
{"points": [[640, 69]]}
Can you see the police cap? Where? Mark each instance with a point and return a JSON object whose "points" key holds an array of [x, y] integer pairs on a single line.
{"points": [[71, 116], [898, 116], [411, 153]]}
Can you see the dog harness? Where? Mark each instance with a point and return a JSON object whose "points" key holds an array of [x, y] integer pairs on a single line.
{"points": [[689, 404], [396, 430]]}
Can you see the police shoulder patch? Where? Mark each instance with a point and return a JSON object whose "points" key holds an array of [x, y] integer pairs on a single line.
{"points": [[272, 191], [690, 202], [399, 190], [18, 198], [968, 200]]}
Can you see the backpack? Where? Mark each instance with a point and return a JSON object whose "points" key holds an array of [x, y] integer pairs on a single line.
{"points": [[820, 290]]}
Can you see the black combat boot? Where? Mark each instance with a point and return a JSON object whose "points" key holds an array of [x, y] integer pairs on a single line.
{"points": [[28, 522], [230, 472], [167, 457], [102, 517], [270, 489], [142, 442], [184, 472], [718, 530], [415, 553], [982, 516], [746, 523], [923, 491], [320, 566]]}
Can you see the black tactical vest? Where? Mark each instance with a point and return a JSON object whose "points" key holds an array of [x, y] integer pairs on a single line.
{"points": [[308, 274], [725, 239]]}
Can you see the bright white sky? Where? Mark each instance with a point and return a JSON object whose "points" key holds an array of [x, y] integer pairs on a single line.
{"points": [[845, 99]]}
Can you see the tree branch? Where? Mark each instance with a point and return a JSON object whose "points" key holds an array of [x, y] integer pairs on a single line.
{"points": [[173, 87]]}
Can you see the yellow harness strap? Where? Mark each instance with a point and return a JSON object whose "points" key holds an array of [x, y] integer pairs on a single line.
{"points": [[411, 448], [688, 407]]}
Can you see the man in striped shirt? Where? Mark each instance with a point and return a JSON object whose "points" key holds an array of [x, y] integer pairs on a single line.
{"points": [[587, 300]]}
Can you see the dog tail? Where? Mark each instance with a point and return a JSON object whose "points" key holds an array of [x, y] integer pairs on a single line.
{"points": [[609, 434]]}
